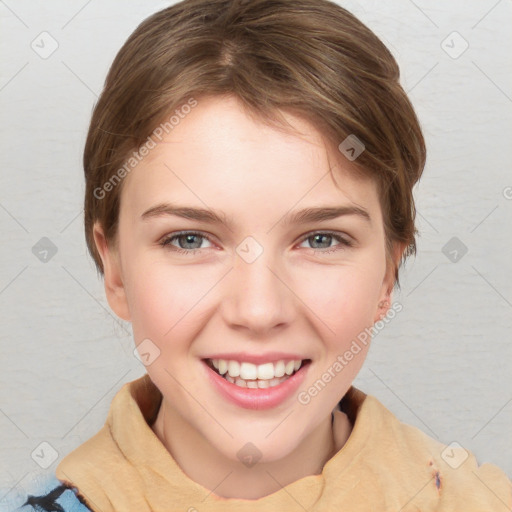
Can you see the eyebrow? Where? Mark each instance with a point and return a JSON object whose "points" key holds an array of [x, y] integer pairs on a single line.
{"points": [[307, 215]]}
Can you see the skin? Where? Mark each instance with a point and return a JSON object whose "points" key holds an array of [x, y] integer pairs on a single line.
{"points": [[295, 297]]}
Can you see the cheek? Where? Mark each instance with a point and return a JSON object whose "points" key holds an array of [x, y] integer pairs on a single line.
{"points": [[343, 297], [159, 297], [166, 301]]}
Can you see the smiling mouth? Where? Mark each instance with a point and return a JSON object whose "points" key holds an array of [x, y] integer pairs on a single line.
{"points": [[248, 375]]}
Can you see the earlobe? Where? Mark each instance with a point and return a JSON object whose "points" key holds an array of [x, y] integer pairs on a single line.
{"points": [[114, 286], [382, 310], [389, 283]]}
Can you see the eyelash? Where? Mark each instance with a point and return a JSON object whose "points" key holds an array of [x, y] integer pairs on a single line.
{"points": [[166, 242]]}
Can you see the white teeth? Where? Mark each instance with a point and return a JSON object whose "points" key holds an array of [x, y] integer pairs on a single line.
{"points": [[250, 371], [234, 368], [289, 367], [248, 375], [223, 366], [279, 369], [266, 371], [261, 384]]}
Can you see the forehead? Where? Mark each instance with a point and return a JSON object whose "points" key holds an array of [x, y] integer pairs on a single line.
{"points": [[218, 153]]}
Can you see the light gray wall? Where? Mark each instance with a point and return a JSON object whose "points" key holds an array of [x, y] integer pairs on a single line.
{"points": [[443, 364]]}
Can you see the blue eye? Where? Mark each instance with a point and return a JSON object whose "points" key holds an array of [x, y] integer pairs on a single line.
{"points": [[189, 242], [185, 238], [343, 242]]}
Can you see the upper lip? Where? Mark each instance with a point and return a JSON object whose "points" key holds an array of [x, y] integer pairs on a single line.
{"points": [[270, 357]]}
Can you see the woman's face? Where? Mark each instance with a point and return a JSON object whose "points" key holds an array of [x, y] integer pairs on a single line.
{"points": [[248, 269]]}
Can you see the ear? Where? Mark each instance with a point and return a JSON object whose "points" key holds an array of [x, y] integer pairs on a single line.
{"points": [[113, 276], [388, 282]]}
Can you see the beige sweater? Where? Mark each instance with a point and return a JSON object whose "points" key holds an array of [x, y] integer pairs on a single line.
{"points": [[385, 465]]}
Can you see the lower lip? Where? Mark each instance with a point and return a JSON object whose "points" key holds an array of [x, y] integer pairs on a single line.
{"points": [[250, 398]]}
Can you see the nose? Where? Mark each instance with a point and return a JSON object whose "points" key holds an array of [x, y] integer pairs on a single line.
{"points": [[257, 297]]}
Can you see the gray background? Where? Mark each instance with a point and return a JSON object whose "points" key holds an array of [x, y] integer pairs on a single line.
{"points": [[442, 365]]}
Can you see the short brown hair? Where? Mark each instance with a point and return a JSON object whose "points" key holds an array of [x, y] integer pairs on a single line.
{"points": [[308, 57]]}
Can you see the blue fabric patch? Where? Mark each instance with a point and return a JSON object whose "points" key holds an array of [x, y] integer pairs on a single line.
{"points": [[13, 500]]}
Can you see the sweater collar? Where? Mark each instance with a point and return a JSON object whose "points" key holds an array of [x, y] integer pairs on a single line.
{"points": [[133, 469]]}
